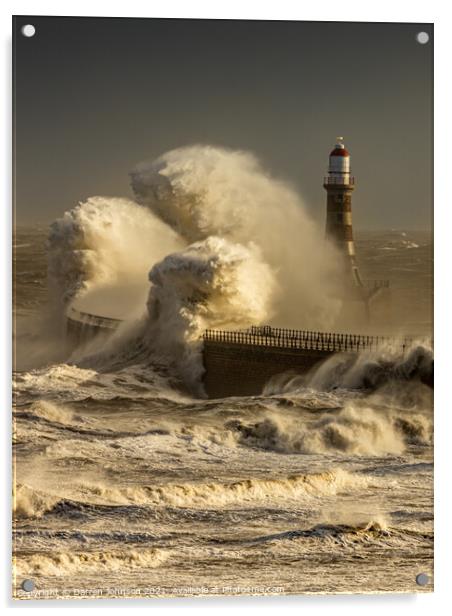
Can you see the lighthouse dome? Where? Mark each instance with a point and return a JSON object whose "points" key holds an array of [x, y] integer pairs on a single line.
{"points": [[339, 148], [340, 152], [339, 167]]}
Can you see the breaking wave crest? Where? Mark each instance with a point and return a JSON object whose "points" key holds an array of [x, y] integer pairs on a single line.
{"points": [[371, 369], [55, 413], [368, 370], [72, 563], [353, 430], [210, 495], [213, 495], [342, 534], [31, 503]]}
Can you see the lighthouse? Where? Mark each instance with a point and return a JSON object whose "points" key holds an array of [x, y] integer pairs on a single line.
{"points": [[339, 185]]}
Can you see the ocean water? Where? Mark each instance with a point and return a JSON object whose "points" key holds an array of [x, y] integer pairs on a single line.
{"points": [[127, 485]]}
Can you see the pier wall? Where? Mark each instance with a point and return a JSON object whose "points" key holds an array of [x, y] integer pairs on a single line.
{"points": [[240, 363], [82, 326], [243, 369]]}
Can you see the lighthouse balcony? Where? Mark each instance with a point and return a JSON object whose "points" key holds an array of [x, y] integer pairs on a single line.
{"points": [[330, 180]]}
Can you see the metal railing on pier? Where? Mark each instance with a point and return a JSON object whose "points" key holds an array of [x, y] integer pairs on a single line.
{"points": [[92, 319], [304, 339]]}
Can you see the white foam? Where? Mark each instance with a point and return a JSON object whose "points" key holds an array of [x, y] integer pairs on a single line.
{"points": [[101, 251], [211, 284], [203, 191], [83, 563], [220, 494], [105, 242]]}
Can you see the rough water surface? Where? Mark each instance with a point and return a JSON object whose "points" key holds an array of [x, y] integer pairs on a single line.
{"points": [[128, 486]]}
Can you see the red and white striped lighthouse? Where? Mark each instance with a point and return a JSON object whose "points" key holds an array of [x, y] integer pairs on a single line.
{"points": [[339, 185]]}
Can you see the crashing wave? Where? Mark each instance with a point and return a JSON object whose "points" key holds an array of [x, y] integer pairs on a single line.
{"points": [[353, 430], [31, 503], [371, 369], [368, 370], [213, 283], [104, 242], [198, 208], [203, 191]]}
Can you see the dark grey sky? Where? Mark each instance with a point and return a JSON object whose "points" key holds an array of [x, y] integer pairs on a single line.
{"points": [[95, 96]]}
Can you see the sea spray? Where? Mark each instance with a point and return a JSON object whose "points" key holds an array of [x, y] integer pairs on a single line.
{"points": [[30, 503], [354, 430], [371, 369], [213, 283], [226, 245], [105, 242], [358, 515], [389, 364], [202, 190]]}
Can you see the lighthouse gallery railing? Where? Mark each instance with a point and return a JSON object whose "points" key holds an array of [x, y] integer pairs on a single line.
{"points": [[332, 180]]}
